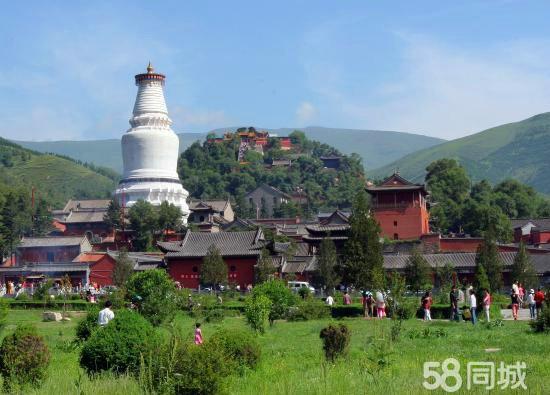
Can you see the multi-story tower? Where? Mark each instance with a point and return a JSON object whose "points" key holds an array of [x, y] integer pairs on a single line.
{"points": [[150, 150]]}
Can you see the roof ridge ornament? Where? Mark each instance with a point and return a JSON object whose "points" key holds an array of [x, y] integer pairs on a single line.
{"points": [[150, 68]]}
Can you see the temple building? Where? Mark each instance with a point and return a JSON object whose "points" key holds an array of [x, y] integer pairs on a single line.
{"points": [[400, 207], [150, 150]]}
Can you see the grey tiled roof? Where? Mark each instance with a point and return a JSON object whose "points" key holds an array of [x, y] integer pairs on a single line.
{"points": [[300, 264], [327, 228], [61, 241], [272, 191], [216, 205], [540, 223], [196, 244], [84, 216], [465, 260], [73, 205]]}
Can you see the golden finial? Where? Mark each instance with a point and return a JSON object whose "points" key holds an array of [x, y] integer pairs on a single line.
{"points": [[149, 68]]}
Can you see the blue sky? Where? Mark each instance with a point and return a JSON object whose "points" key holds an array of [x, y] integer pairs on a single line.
{"points": [[439, 68]]}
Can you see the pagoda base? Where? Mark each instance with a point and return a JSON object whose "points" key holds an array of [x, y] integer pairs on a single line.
{"points": [[155, 192]]}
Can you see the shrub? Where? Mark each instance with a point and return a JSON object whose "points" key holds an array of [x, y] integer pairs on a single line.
{"points": [[157, 292], [280, 296], [311, 309], [214, 315], [257, 310], [119, 345], [542, 323], [88, 325], [347, 311], [336, 340], [238, 346], [24, 358], [3, 313], [304, 292], [41, 292], [23, 296]]}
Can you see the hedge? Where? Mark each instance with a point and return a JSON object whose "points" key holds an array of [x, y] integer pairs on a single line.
{"points": [[74, 305]]}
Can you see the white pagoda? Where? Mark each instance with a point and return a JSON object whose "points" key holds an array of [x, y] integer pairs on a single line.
{"points": [[150, 150]]}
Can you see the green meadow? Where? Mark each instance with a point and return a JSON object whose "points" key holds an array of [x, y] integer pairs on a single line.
{"points": [[293, 361]]}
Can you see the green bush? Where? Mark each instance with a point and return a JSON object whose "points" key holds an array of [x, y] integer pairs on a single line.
{"points": [[41, 292], [304, 292], [88, 325], [280, 296], [542, 323], [336, 339], [405, 311], [310, 309], [157, 292], [257, 310], [24, 358], [119, 345], [3, 313], [347, 311], [214, 315], [23, 296], [238, 346]]}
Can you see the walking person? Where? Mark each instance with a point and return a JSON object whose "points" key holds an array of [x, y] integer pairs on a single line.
{"points": [[106, 314], [347, 298], [453, 296], [487, 305], [380, 305], [473, 306], [515, 304], [198, 334], [329, 300], [539, 300], [532, 303], [521, 293], [426, 302]]}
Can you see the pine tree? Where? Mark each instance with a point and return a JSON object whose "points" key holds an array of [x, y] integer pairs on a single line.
{"points": [[418, 272], [144, 221], [363, 260], [42, 220], [327, 265], [213, 268], [265, 269], [481, 279], [487, 256], [522, 269], [113, 215], [123, 268], [169, 217]]}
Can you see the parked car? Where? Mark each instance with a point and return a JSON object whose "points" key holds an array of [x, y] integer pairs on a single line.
{"points": [[296, 285]]}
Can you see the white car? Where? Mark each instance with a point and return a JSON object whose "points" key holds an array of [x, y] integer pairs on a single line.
{"points": [[296, 285]]}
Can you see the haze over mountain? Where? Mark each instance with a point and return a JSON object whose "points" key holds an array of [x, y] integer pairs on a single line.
{"points": [[376, 147], [515, 150]]}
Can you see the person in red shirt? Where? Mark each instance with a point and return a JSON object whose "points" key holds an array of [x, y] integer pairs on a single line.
{"points": [[539, 300], [347, 299]]}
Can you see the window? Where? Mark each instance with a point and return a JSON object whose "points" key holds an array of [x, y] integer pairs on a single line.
{"points": [[233, 268], [201, 218], [195, 269], [274, 200], [395, 236], [50, 256], [394, 223], [250, 200]]}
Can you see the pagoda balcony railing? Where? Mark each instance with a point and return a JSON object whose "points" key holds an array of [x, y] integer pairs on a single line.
{"points": [[382, 206]]}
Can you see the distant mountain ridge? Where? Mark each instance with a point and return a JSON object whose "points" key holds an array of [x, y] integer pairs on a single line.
{"points": [[515, 150], [376, 147]]}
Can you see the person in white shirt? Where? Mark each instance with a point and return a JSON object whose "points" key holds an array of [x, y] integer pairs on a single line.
{"points": [[106, 314], [473, 306], [532, 304], [329, 301]]}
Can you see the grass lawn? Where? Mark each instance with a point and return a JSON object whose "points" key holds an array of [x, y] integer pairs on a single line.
{"points": [[292, 358]]}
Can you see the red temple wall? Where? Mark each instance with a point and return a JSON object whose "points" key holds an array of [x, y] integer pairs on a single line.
{"points": [[407, 223], [240, 270]]}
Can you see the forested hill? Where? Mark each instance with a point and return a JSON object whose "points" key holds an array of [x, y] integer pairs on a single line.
{"points": [[516, 150], [212, 170], [55, 179], [376, 147]]}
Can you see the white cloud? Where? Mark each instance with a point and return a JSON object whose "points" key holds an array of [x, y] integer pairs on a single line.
{"points": [[442, 90], [305, 113], [198, 119]]}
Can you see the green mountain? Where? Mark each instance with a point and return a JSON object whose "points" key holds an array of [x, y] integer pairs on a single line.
{"points": [[516, 150], [55, 179], [376, 147]]}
